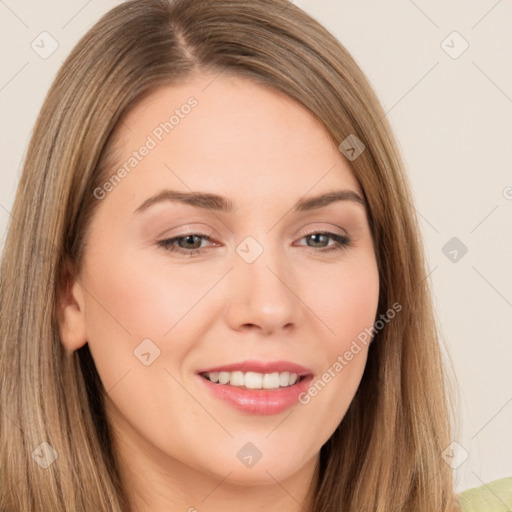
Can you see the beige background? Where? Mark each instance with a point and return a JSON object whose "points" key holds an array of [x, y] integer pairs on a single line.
{"points": [[452, 115]]}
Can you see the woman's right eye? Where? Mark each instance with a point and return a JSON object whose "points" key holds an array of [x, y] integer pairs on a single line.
{"points": [[189, 239]]}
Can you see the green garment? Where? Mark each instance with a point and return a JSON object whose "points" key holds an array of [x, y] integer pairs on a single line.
{"points": [[496, 496]]}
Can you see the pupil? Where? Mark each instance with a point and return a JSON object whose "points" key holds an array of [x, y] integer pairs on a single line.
{"points": [[316, 236], [188, 238]]}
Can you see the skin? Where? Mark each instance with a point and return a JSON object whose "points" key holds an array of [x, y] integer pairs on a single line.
{"points": [[263, 151]]}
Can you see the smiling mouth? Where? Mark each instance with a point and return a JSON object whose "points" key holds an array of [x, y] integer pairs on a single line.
{"points": [[254, 380]]}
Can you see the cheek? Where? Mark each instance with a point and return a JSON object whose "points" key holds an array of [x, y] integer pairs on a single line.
{"points": [[345, 299], [134, 300], [346, 306], [134, 309], [129, 302]]}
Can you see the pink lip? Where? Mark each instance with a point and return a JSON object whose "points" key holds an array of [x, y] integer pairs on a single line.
{"points": [[258, 401], [261, 367]]}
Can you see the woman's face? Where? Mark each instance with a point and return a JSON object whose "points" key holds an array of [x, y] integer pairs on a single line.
{"points": [[258, 286]]}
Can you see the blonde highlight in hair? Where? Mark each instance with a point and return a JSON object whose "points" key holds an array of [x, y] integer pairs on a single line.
{"points": [[386, 454]]}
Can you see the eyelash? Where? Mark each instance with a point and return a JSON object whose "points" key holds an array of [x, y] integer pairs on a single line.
{"points": [[342, 242]]}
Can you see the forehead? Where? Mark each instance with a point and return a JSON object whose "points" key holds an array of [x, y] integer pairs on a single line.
{"points": [[225, 132]]}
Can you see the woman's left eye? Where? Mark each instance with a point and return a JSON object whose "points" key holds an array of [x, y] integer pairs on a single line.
{"points": [[190, 244]]}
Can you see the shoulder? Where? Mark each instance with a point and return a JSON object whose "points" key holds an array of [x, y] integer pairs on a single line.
{"points": [[495, 496]]}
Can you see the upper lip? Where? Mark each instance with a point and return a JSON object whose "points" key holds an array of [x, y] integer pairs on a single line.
{"points": [[261, 367]]}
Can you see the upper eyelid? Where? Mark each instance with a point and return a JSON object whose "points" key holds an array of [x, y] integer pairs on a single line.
{"points": [[199, 231], [211, 237]]}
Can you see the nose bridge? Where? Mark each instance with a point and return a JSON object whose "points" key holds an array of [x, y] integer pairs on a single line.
{"points": [[263, 289]]}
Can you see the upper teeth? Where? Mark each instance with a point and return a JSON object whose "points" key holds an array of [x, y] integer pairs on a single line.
{"points": [[253, 380]]}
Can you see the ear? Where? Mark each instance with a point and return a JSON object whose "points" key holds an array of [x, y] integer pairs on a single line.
{"points": [[71, 309]]}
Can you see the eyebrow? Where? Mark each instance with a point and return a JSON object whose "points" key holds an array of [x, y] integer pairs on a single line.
{"points": [[223, 204]]}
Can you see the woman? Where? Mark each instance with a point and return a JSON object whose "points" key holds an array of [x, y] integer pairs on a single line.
{"points": [[253, 370]]}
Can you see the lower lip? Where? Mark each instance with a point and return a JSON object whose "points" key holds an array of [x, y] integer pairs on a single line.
{"points": [[258, 401]]}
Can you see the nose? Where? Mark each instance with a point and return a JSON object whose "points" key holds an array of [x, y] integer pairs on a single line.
{"points": [[262, 295]]}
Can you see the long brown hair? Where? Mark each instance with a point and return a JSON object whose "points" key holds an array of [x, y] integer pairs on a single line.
{"points": [[386, 454]]}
